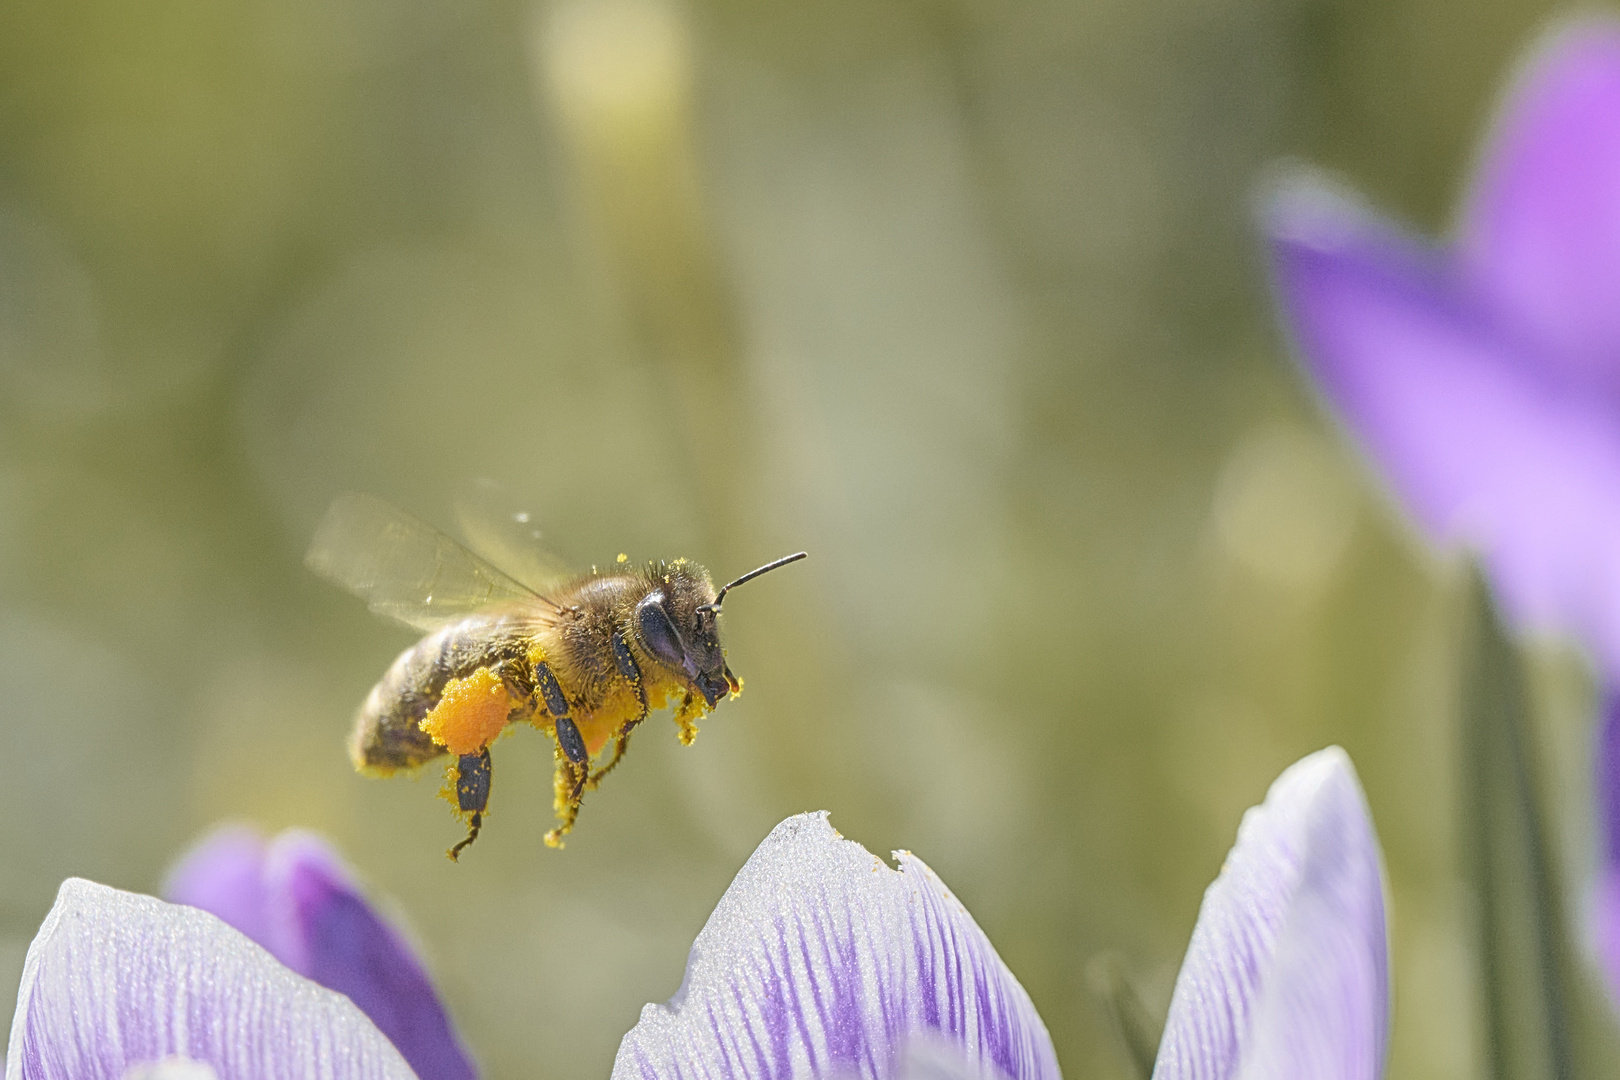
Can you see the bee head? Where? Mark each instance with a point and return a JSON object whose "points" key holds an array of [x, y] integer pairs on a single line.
{"points": [[678, 623]]}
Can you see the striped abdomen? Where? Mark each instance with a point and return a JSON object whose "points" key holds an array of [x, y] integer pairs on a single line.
{"points": [[387, 731]]}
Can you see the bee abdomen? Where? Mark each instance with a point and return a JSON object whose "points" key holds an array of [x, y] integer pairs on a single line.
{"points": [[388, 734]]}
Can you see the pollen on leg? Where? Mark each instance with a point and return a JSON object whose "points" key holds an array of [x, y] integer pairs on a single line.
{"points": [[470, 713], [562, 785], [563, 798], [687, 715], [452, 780]]}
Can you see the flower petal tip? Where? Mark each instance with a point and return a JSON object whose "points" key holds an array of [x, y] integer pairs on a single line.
{"points": [[1287, 973], [1306, 780], [1311, 220], [1296, 203], [822, 960]]}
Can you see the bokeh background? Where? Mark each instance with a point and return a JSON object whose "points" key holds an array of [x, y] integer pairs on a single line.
{"points": [[962, 296]]}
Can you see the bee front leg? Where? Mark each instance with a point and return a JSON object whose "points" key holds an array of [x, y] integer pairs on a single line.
{"points": [[472, 795], [626, 662]]}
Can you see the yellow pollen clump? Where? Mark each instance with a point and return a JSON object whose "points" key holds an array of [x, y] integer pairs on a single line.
{"points": [[470, 713], [687, 715]]}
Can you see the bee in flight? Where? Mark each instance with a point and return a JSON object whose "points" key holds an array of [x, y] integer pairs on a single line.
{"points": [[585, 658]]}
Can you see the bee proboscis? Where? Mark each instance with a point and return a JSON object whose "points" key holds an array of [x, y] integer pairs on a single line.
{"points": [[585, 658]]}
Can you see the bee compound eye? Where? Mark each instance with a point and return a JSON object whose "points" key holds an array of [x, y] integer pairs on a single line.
{"points": [[657, 631]]}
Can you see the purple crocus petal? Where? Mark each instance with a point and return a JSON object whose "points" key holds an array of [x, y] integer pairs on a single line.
{"points": [[1542, 232], [1482, 446], [296, 898], [822, 961], [224, 874], [1287, 974], [1604, 916], [1607, 781], [115, 980], [1604, 910]]}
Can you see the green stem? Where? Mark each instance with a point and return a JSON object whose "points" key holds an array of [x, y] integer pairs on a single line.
{"points": [[1520, 921]]}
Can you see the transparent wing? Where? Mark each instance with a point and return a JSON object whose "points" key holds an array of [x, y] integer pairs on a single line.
{"points": [[508, 535], [405, 568]]}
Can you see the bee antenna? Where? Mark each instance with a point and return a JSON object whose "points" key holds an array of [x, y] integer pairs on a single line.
{"points": [[750, 576]]}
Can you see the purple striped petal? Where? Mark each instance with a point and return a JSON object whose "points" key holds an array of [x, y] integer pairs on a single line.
{"points": [[1287, 974], [822, 961], [295, 897], [1542, 232], [1484, 446], [115, 980]]}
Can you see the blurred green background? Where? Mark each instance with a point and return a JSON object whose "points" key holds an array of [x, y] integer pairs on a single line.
{"points": [[959, 295]]}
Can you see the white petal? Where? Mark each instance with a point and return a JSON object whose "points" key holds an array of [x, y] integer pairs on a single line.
{"points": [[171, 1068], [933, 1058], [1287, 974], [821, 961], [115, 980]]}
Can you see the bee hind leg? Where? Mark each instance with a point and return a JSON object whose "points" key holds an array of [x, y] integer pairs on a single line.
{"points": [[472, 795]]}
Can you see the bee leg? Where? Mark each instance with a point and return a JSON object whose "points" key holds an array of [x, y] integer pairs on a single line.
{"points": [[573, 761], [573, 747], [620, 745], [629, 669], [472, 795], [573, 768], [515, 672], [568, 737], [686, 717]]}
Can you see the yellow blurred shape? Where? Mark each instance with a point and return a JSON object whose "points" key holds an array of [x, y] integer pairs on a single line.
{"points": [[1285, 506], [617, 63]]}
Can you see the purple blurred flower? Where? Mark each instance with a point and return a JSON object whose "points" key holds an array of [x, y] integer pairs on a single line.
{"points": [[325, 986], [295, 897], [1287, 974], [1483, 379]]}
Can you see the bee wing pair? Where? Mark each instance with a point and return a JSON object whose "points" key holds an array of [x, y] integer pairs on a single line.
{"points": [[406, 570], [494, 528]]}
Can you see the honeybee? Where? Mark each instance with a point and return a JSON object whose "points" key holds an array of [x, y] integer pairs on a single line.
{"points": [[584, 658]]}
